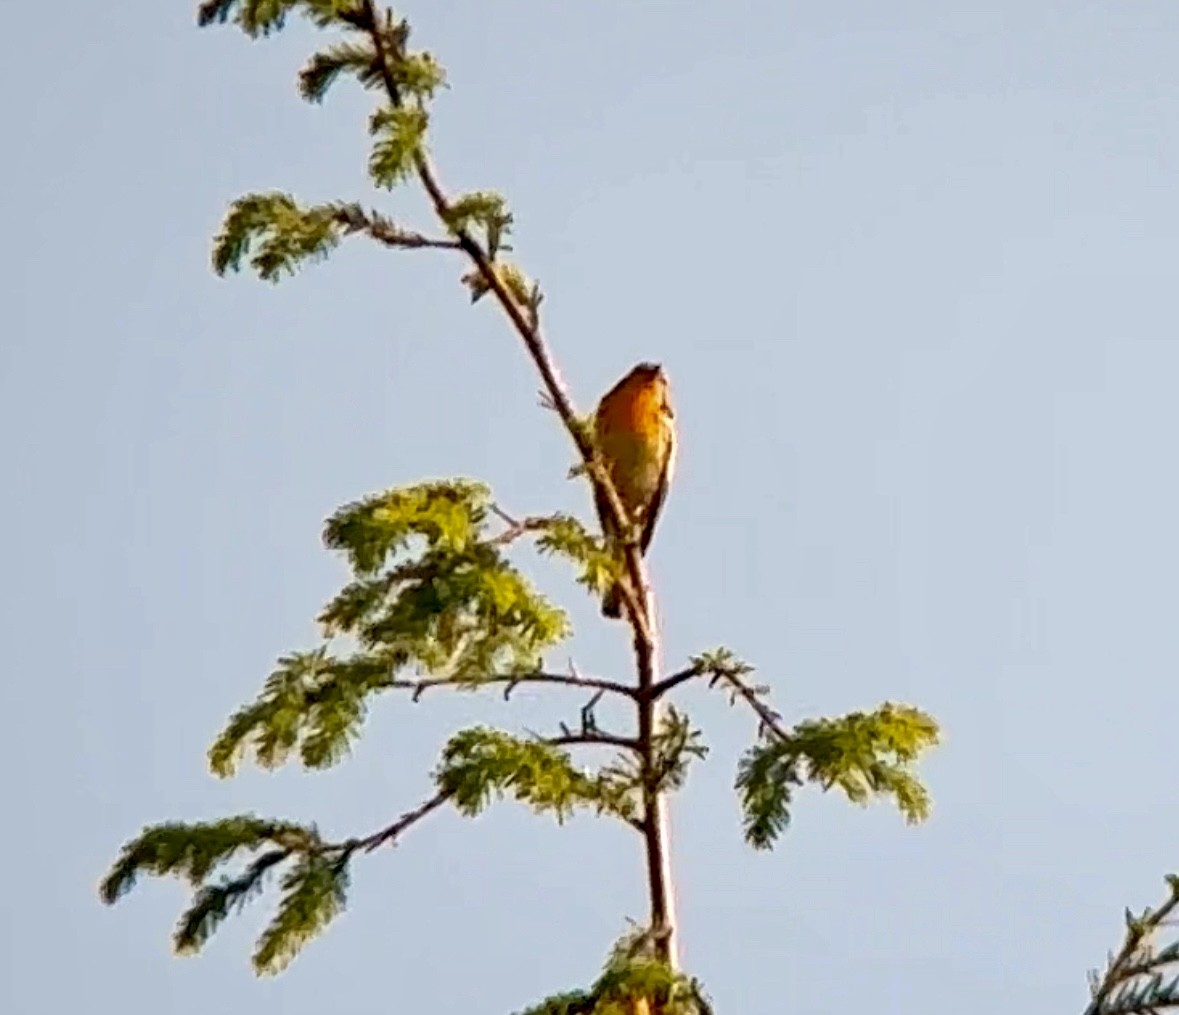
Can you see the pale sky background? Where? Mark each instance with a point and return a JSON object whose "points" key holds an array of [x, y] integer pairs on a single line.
{"points": [[912, 270]]}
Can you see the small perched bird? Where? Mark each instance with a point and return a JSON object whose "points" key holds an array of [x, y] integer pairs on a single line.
{"points": [[635, 436]]}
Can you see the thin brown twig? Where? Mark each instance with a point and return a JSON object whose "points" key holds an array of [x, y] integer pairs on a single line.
{"points": [[389, 834], [667, 684], [354, 219], [516, 527], [419, 687], [392, 236], [413, 241], [769, 719], [589, 738]]}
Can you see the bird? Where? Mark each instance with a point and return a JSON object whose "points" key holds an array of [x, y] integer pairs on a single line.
{"points": [[634, 431]]}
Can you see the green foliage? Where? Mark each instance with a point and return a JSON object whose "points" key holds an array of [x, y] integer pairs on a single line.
{"points": [[457, 609], [868, 753], [314, 893], [766, 777], [864, 754], [193, 851], [325, 67], [674, 743], [312, 703], [213, 903], [450, 515], [313, 886], [510, 277], [720, 664], [254, 17], [415, 76], [633, 972], [278, 234], [565, 536], [262, 17], [1142, 978], [400, 134], [481, 763], [483, 212], [282, 236]]}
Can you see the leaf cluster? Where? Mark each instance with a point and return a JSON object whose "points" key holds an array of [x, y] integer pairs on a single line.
{"points": [[480, 764], [432, 593], [414, 74], [373, 51], [863, 754], [509, 276], [278, 235], [484, 213], [633, 979], [313, 888], [263, 17], [566, 536], [400, 135]]}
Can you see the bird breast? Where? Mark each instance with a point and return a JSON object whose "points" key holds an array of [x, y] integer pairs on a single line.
{"points": [[636, 465]]}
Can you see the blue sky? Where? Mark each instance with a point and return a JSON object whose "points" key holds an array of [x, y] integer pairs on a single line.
{"points": [[911, 269]]}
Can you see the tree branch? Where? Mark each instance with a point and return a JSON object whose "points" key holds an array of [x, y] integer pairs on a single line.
{"points": [[381, 229], [419, 687], [593, 738], [725, 670], [769, 719], [667, 684], [516, 527], [389, 834], [526, 322], [1128, 964]]}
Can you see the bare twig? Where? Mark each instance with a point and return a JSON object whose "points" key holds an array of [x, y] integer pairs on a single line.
{"points": [[389, 834], [419, 687], [594, 737], [412, 240], [516, 527], [769, 719], [354, 219], [670, 683]]}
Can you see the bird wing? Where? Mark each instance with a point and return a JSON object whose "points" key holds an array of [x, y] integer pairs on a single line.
{"points": [[656, 505], [603, 509]]}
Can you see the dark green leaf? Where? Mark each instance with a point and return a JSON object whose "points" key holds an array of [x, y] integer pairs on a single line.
{"points": [[191, 851], [213, 903], [314, 893]]}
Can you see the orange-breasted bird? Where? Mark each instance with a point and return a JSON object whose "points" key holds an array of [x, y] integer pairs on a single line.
{"points": [[635, 435]]}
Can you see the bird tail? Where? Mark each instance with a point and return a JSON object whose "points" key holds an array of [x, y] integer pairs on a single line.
{"points": [[612, 603]]}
